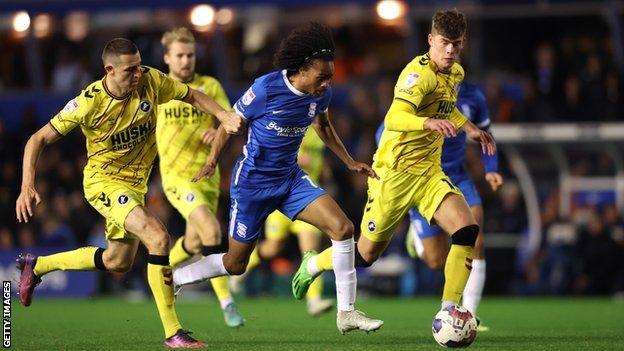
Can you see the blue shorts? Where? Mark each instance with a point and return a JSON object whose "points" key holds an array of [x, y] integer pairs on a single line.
{"points": [[426, 230], [251, 206]]}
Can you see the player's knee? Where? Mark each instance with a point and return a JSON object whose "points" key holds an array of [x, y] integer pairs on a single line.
{"points": [[235, 268], [466, 236], [117, 264], [159, 244], [343, 230]]}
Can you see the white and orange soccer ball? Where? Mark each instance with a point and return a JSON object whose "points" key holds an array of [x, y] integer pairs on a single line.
{"points": [[454, 326]]}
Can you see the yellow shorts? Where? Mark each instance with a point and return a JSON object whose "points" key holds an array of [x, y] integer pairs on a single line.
{"points": [[186, 196], [114, 200], [391, 197], [277, 227]]}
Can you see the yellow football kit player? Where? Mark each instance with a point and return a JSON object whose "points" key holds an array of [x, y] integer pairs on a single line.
{"points": [[409, 163], [121, 147], [121, 143], [182, 152]]}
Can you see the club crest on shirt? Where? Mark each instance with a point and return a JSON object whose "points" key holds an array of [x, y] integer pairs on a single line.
{"points": [[145, 106], [411, 79], [241, 230], [248, 97], [123, 199], [371, 226], [190, 197]]}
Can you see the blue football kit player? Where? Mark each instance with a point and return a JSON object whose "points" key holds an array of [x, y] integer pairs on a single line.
{"points": [[428, 241], [278, 109]]}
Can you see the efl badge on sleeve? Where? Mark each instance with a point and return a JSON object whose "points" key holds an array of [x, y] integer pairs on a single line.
{"points": [[248, 97], [411, 80], [71, 106]]}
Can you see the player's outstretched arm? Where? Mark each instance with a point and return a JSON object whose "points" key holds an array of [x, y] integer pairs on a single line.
{"points": [[29, 197], [231, 122], [220, 140], [488, 145], [327, 133]]}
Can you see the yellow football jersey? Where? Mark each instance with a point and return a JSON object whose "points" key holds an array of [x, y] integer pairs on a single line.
{"points": [[180, 128], [120, 132], [432, 94], [313, 149]]}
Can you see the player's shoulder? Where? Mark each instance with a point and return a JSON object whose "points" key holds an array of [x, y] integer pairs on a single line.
{"points": [[458, 71], [265, 83], [417, 72], [422, 66], [152, 73], [270, 80], [92, 94]]}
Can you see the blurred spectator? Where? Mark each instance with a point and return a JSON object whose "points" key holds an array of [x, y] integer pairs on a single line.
{"points": [[55, 233], [573, 108], [557, 269], [69, 74], [598, 256]]}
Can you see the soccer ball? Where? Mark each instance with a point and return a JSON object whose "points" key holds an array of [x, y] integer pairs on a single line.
{"points": [[454, 326]]}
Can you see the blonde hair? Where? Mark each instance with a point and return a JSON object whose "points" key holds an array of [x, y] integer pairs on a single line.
{"points": [[181, 34]]}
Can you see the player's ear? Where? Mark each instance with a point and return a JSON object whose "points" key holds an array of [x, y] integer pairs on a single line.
{"points": [[430, 39], [108, 68]]}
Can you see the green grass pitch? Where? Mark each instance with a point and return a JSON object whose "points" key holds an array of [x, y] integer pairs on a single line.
{"points": [[282, 324]]}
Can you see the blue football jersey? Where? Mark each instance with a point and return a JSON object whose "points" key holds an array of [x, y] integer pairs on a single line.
{"points": [[278, 116], [471, 102]]}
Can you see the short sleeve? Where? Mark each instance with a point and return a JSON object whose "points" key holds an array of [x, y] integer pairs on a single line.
{"points": [[77, 112], [168, 88], [412, 86], [252, 104]]}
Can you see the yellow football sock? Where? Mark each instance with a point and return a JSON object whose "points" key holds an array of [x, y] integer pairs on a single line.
{"points": [[75, 260], [178, 253], [316, 289], [456, 272], [220, 287], [324, 260], [254, 260], [160, 280]]}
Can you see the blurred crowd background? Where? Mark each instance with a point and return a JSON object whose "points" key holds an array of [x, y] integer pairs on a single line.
{"points": [[537, 62]]}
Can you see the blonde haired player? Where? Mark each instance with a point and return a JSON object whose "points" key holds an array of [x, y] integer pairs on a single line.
{"points": [[117, 115], [408, 162], [278, 227], [183, 135]]}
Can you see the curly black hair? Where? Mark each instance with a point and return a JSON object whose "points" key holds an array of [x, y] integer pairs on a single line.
{"points": [[449, 23], [312, 41]]}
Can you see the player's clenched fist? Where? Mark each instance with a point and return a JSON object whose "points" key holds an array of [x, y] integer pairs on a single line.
{"points": [[24, 204], [232, 123], [443, 126]]}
